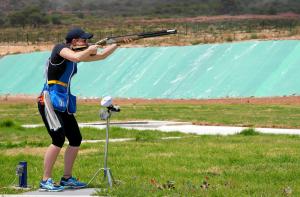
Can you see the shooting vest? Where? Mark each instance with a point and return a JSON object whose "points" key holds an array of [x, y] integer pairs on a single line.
{"points": [[58, 81]]}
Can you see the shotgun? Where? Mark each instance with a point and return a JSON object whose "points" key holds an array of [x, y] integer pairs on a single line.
{"points": [[120, 39]]}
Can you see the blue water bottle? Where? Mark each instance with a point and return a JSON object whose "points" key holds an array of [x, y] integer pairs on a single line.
{"points": [[22, 172]]}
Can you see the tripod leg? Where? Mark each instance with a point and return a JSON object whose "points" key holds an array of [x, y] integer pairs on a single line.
{"points": [[95, 175], [109, 179]]}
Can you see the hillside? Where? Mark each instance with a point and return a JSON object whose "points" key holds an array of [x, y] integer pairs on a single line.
{"points": [[155, 8], [197, 21]]}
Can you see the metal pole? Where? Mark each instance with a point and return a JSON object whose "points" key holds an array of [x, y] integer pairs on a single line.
{"points": [[106, 145], [107, 173]]}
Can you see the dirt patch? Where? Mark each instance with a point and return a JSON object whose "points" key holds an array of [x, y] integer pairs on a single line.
{"points": [[269, 100], [287, 100], [9, 48], [87, 151], [287, 16], [37, 151], [40, 151], [157, 155]]}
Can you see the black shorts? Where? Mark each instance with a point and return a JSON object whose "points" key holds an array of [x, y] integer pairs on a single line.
{"points": [[69, 128]]}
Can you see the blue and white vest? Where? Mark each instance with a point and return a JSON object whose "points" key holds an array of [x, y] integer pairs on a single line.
{"points": [[58, 81]]}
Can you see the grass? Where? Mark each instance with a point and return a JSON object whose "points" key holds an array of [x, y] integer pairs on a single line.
{"points": [[249, 115], [247, 164]]}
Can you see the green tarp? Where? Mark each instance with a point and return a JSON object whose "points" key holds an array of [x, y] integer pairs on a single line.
{"points": [[243, 69]]}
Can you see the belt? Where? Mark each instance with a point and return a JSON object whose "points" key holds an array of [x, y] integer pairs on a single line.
{"points": [[57, 82]]}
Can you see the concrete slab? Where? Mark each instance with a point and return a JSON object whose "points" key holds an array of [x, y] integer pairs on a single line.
{"points": [[184, 127], [123, 140], [76, 192]]}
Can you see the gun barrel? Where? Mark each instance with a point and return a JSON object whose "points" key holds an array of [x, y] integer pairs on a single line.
{"points": [[158, 33], [120, 39]]}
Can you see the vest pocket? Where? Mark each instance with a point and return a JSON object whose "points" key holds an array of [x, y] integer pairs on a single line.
{"points": [[59, 100], [72, 104]]}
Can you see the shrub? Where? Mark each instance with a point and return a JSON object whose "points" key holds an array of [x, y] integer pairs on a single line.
{"points": [[249, 132], [253, 36], [229, 39], [7, 123]]}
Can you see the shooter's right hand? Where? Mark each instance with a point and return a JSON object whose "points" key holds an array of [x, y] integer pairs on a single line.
{"points": [[92, 49]]}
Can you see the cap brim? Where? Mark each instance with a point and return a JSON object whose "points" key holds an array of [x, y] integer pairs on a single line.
{"points": [[86, 36]]}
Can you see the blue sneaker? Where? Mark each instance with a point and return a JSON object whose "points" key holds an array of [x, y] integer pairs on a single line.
{"points": [[49, 186], [72, 183]]}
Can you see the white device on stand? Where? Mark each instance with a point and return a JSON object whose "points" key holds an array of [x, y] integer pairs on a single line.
{"points": [[105, 114]]}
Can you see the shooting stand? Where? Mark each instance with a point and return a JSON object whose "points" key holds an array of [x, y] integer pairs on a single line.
{"points": [[105, 115]]}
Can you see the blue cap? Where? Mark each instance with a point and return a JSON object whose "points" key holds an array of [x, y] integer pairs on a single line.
{"points": [[77, 33]]}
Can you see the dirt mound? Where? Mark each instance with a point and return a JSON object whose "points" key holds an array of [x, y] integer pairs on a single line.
{"points": [[10, 48]]}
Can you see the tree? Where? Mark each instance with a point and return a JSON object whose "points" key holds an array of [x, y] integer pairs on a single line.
{"points": [[35, 17], [272, 8], [2, 19], [44, 5], [56, 19], [77, 5], [17, 18], [31, 15], [229, 7]]}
